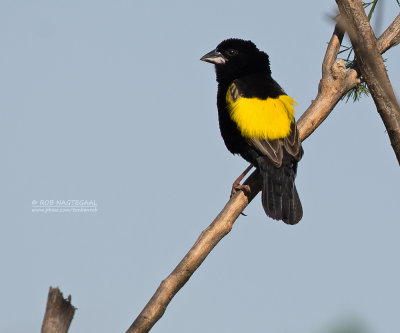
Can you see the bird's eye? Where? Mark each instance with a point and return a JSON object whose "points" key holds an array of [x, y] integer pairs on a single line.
{"points": [[231, 52]]}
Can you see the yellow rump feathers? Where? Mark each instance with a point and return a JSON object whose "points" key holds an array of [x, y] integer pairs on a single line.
{"points": [[266, 119]]}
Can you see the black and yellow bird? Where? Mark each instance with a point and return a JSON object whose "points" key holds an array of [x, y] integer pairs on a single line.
{"points": [[256, 119]]}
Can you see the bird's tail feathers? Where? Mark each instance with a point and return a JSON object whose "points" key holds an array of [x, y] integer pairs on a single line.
{"points": [[279, 194]]}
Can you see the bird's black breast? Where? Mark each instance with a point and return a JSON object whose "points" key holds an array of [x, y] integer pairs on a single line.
{"points": [[258, 86], [229, 131]]}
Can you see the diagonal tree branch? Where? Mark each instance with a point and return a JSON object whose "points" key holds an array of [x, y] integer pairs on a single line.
{"points": [[391, 36], [335, 82], [372, 68], [207, 240]]}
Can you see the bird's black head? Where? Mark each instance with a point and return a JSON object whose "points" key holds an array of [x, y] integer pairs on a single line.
{"points": [[234, 58]]}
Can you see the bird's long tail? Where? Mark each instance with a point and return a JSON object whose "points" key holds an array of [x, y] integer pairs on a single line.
{"points": [[279, 194]]}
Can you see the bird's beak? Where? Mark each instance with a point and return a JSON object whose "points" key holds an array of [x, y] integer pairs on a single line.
{"points": [[214, 57]]}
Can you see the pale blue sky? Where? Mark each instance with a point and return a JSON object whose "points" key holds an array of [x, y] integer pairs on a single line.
{"points": [[107, 100]]}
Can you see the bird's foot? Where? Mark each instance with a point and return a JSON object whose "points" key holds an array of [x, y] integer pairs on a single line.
{"points": [[239, 187], [236, 185]]}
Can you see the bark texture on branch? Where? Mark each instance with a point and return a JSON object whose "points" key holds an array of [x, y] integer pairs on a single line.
{"points": [[391, 36], [371, 65], [59, 313], [335, 82]]}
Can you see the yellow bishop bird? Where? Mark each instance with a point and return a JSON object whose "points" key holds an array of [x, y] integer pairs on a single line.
{"points": [[256, 120]]}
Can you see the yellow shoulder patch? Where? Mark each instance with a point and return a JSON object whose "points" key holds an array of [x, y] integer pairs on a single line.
{"points": [[267, 119]]}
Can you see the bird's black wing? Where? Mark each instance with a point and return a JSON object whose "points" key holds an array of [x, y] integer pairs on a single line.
{"points": [[273, 149]]}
